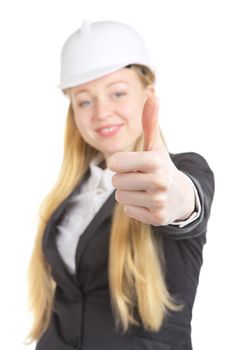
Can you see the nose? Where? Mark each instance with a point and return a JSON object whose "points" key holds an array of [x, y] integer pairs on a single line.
{"points": [[103, 108]]}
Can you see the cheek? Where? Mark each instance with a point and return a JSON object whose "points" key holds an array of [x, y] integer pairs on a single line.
{"points": [[83, 130], [81, 124], [134, 116]]}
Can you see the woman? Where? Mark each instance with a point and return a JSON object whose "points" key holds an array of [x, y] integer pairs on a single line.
{"points": [[118, 253]]}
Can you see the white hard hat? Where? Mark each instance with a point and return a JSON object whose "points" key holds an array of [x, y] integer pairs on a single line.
{"points": [[100, 48]]}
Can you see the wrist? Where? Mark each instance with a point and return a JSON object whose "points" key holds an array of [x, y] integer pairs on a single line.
{"points": [[188, 197]]}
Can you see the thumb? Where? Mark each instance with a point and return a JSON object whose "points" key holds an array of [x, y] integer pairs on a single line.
{"points": [[150, 124]]}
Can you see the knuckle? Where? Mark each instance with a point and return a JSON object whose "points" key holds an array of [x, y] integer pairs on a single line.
{"points": [[161, 217], [158, 201], [154, 162], [163, 183], [162, 200], [154, 182]]}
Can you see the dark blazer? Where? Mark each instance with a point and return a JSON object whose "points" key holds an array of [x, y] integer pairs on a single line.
{"points": [[82, 317]]}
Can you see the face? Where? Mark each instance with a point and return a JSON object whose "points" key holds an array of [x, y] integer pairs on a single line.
{"points": [[108, 110]]}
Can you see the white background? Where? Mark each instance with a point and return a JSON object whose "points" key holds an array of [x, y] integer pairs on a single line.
{"points": [[191, 45]]}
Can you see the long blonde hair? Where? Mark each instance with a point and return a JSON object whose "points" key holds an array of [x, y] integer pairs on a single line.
{"points": [[136, 268]]}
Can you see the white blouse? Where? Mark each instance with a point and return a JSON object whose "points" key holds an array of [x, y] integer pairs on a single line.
{"points": [[84, 205]]}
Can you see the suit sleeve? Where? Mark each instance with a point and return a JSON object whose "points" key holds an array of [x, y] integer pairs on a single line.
{"points": [[196, 167]]}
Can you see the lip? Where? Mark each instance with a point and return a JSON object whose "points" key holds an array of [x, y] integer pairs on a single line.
{"points": [[108, 126], [107, 131]]}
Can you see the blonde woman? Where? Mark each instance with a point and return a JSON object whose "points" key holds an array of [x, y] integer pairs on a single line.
{"points": [[118, 252]]}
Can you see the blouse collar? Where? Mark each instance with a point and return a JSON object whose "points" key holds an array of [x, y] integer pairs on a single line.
{"points": [[100, 178]]}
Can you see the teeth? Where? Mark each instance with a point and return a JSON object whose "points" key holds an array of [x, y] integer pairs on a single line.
{"points": [[108, 129]]}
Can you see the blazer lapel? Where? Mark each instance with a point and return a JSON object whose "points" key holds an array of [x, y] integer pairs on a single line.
{"points": [[101, 215], [59, 270]]}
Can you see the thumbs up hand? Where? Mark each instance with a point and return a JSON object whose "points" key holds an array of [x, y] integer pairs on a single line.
{"points": [[148, 183]]}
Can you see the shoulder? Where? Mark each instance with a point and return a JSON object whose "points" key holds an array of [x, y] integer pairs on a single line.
{"points": [[185, 159]]}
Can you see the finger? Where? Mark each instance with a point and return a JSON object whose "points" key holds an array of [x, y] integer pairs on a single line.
{"points": [[139, 213], [138, 182], [145, 215], [141, 199], [124, 162], [150, 124]]}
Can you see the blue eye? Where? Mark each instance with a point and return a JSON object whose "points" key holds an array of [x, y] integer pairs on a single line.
{"points": [[84, 103], [119, 94]]}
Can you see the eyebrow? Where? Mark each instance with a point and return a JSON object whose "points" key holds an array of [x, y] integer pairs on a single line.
{"points": [[110, 84]]}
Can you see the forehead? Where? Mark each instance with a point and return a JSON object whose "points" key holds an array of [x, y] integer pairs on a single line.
{"points": [[124, 76]]}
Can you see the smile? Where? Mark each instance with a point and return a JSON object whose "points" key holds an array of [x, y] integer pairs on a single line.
{"points": [[109, 130]]}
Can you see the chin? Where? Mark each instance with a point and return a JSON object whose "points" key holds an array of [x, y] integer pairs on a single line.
{"points": [[113, 147], [117, 149]]}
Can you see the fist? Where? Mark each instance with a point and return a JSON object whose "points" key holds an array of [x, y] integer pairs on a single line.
{"points": [[147, 183]]}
